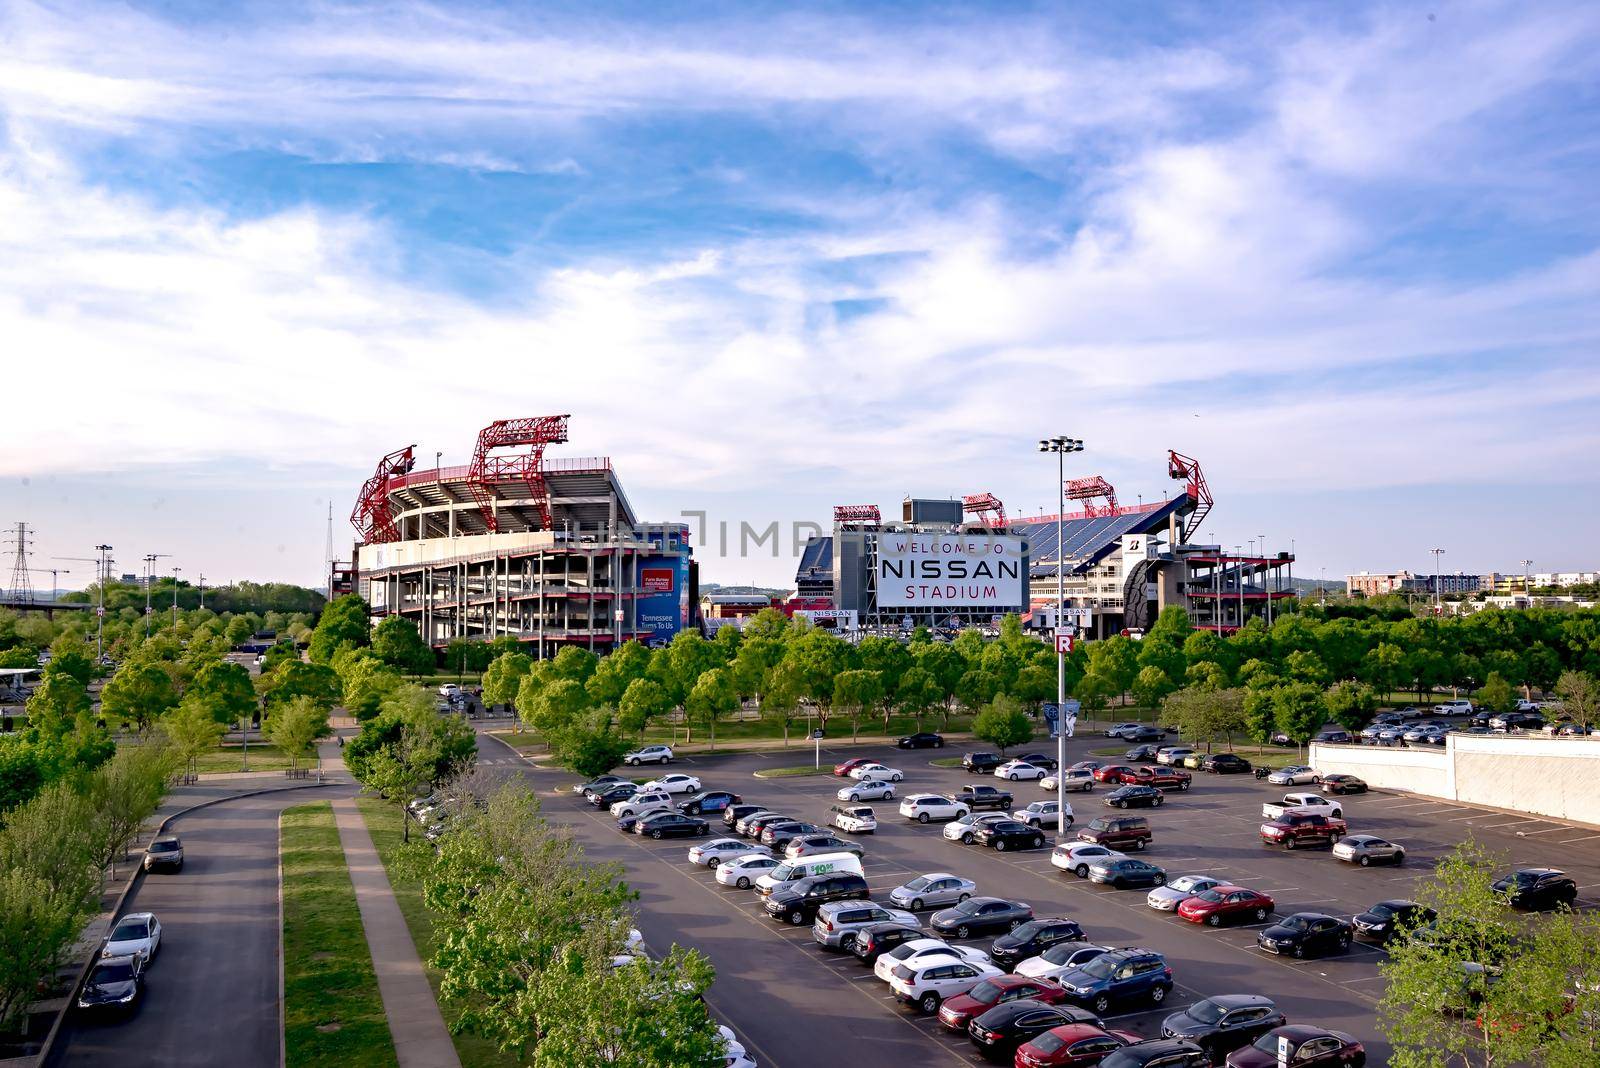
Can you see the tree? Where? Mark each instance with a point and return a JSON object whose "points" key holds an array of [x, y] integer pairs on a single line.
{"points": [[1497, 694], [503, 676], [1303, 666], [367, 683], [572, 664], [858, 692], [123, 793], [1580, 697], [1351, 704], [754, 663], [1094, 690], [818, 658], [1150, 686], [226, 691], [192, 729], [71, 656], [23, 771], [1298, 710], [1382, 667], [889, 658], [1165, 656], [1003, 724], [35, 928], [1115, 660], [712, 696], [554, 705], [785, 687], [138, 693], [643, 701], [590, 746], [944, 665], [409, 748], [614, 674], [917, 694], [296, 678], [1206, 675], [281, 653], [295, 727], [396, 642], [342, 623], [55, 704], [1260, 713], [646, 1013]]}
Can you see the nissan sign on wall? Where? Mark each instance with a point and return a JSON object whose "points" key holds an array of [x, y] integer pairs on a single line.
{"points": [[951, 571]]}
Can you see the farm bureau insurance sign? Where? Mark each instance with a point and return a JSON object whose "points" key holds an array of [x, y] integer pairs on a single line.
{"points": [[950, 571]]}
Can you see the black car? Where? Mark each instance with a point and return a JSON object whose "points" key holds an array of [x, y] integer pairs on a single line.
{"points": [[1385, 919], [998, 1032], [1032, 939], [1342, 784], [1147, 734], [756, 824], [709, 801], [1224, 1023], [980, 915], [873, 942], [779, 835], [674, 825], [1225, 764], [1537, 889], [1159, 1053], [1143, 754], [1009, 834], [1307, 934], [734, 813], [981, 763], [799, 903], [1135, 796], [920, 740], [116, 983], [612, 794], [1039, 760]]}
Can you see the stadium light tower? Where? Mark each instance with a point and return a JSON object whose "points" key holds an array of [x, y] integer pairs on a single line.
{"points": [[1060, 446], [1438, 608]]}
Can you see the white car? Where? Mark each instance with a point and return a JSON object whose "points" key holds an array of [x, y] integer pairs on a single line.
{"points": [[869, 790], [921, 949], [138, 934], [925, 808], [1168, 898], [929, 981], [864, 772], [650, 754], [449, 689], [1017, 770], [857, 819], [1462, 707], [710, 854], [733, 1055], [1043, 814], [1123, 730], [1172, 755], [1077, 856], [1060, 959], [965, 829], [640, 802], [1293, 775], [676, 783], [1077, 779], [743, 872]]}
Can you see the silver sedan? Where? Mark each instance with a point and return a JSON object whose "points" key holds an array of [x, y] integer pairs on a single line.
{"points": [[1168, 898], [1365, 849], [870, 790], [937, 889]]}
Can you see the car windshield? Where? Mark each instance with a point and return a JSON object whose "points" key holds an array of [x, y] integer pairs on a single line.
{"points": [[159, 846], [113, 973], [1525, 878], [1209, 896], [1296, 923], [1190, 882], [1060, 953], [921, 882], [1048, 1042], [985, 993], [787, 872], [1381, 909], [968, 907], [1268, 1043], [1207, 1011], [130, 929], [1099, 968]]}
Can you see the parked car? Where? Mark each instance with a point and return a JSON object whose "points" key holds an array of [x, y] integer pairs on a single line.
{"points": [[1334, 737], [965, 830], [920, 740], [164, 851], [138, 934], [676, 783], [743, 871], [959, 1011], [734, 813], [1077, 779], [875, 772], [868, 790], [1072, 1044], [839, 923], [1001, 1030], [853, 819], [609, 796], [980, 915], [1033, 938], [779, 835], [1382, 921], [1111, 773], [1307, 934], [1293, 775], [1159, 777], [799, 903], [751, 825], [844, 768], [1008, 834], [1226, 904], [1158, 1053], [1302, 803], [1045, 814], [1219, 1025], [1017, 770], [1225, 764], [925, 949], [1295, 829], [1306, 1046], [1142, 754], [1118, 832], [1119, 977], [936, 889], [926, 807], [981, 763], [1146, 734], [1537, 889], [626, 824], [1123, 730], [1342, 784], [1368, 849], [1126, 872], [927, 983], [650, 754], [710, 854], [709, 801], [113, 984], [640, 803], [582, 789], [671, 825], [811, 845], [874, 941], [975, 797], [1167, 898], [1135, 797], [1172, 754], [1039, 760], [1060, 959]]}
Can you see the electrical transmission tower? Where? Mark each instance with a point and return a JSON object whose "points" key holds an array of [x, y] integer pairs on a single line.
{"points": [[21, 589]]}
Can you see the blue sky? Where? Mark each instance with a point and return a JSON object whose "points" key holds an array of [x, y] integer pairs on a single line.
{"points": [[773, 257]]}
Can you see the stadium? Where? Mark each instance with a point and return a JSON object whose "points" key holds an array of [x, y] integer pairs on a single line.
{"points": [[1119, 565], [546, 550]]}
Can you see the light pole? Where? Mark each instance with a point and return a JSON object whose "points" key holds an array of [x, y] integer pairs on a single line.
{"points": [[100, 609], [1527, 586], [175, 570], [1238, 552], [55, 583], [202, 590], [1438, 607], [1061, 446], [1322, 587]]}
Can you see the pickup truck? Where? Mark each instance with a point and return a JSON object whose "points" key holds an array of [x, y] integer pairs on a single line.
{"points": [[1294, 829], [976, 797], [1165, 778], [1305, 802]]}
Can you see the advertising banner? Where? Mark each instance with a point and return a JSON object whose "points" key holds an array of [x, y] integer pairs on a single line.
{"points": [[951, 571], [663, 605]]}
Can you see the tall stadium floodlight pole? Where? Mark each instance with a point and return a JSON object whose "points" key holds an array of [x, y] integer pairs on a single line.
{"points": [[202, 591], [1527, 585], [175, 570], [1061, 446], [100, 609], [1438, 607], [1266, 591]]}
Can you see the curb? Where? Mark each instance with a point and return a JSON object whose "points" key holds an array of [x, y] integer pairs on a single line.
{"points": [[47, 1048]]}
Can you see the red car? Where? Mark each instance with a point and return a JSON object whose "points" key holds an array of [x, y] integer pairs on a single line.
{"points": [[1073, 1044], [842, 770], [960, 1010], [1156, 775], [1113, 773], [1226, 903], [1293, 829], [1314, 1047]]}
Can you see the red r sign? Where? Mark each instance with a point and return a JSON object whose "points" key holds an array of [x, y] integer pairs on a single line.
{"points": [[1063, 643]]}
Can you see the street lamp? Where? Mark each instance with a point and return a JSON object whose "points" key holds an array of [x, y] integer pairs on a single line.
{"points": [[1438, 608], [100, 609], [1527, 585], [175, 570], [1061, 446]]}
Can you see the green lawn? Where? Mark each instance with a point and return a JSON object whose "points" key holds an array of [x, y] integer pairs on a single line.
{"points": [[264, 756], [333, 1013], [383, 823], [790, 773]]}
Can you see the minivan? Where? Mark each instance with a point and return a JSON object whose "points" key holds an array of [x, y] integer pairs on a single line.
{"points": [[786, 875], [1118, 832]]}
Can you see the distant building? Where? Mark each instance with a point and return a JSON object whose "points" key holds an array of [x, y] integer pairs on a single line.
{"points": [[1370, 585]]}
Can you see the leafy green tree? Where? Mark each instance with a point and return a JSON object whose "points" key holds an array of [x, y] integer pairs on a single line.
{"points": [[1580, 697], [818, 658], [1497, 694], [614, 674], [1207, 646], [285, 653], [767, 623], [1172, 625], [1298, 710], [297, 678], [35, 929], [503, 677], [889, 658], [409, 748], [754, 663], [572, 664], [1150, 686], [785, 688], [55, 704], [646, 1013], [123, 793], [226, 690], [1206, 675], [643, 701], [944, 665], [857, 692], [342, 623], [192, 730], [296, 726], [918, 694], [367, 683], [71, 656], [1165, 656], [1003, 724], [711, 697], [1116, 660], [590, 745], [138, 693], [396, 642], [24, 770], [1304, 666], [1035, 684], [1094, 690], [1260, 713], [976, 689], [1351, 704], [555, 705]]}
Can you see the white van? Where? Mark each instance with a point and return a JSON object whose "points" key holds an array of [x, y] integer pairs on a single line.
{"points": [[854, 819], [791, 872]]}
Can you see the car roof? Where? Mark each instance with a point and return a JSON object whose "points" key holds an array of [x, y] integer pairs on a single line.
{"points": [[1300, 1032], [1237, 1001], [137, 916], [1540, 871]]}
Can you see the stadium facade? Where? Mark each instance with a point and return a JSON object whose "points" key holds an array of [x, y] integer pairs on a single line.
{"points": [[546, 550]]}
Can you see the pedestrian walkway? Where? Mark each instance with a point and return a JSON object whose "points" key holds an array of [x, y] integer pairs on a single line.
{"points": [[421, 1039]]}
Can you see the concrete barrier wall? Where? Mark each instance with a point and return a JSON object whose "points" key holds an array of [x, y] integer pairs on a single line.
{"points": [[1557, 777]]}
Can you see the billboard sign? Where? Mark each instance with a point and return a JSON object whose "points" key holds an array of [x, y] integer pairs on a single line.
{"points": [[663, 601], [656, 579], [951, 571]]}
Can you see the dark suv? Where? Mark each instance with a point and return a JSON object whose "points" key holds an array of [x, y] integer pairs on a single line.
{"points": [[1123, 975], [1118, 832], [981, 763], [1536, 889], [1222, 1024], [799, 903]]}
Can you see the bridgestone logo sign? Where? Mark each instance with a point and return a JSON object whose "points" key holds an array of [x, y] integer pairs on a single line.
{"points": [[950, 571]]}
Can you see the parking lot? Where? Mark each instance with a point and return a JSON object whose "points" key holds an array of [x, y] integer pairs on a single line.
{"points": [[795, 1003]]}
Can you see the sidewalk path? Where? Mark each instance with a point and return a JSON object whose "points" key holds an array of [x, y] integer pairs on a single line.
{"points": [[421, 1039]]}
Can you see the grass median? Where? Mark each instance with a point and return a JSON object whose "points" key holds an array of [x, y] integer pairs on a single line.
{"points": [[333, 1013], [790, 773], [383, 823], [264, 756]]}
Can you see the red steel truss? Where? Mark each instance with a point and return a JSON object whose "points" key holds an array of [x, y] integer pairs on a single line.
{"points": [[983, 506], [856, 513], [1186, 467], [1087, 489], [526, 467], [373, 515]]}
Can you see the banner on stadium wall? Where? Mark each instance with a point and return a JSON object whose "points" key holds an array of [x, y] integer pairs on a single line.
{"points": [[663, 605], [951, 571]]}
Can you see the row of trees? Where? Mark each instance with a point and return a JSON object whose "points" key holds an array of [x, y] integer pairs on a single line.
{"points": [[531, 943], [408, 749]]}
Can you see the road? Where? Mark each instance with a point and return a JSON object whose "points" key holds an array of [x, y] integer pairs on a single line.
{"points": [[213, 990], [795, 1004]]}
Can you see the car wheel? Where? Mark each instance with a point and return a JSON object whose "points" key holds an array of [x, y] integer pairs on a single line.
{"points": [[1014, 925], [796, 918], [1288, 843], [1069, 821], [854, 798], [1161, 879], [1344, 944], [1215, 919], [1000, 845], [1118, 884], [1138, 844], [1400, 858], [1365, 862], [1299, 952], [896, 778], [655, 834], [963, 897], [743, 883], [928, 1003], [1101, 1004], [693, 810], [847, 943], [1038, 841], [1158, 995], [922, 817], [634, 762], [1261, 915], [939, 744], [966, 839], [963, 931], [916, 904], [1122, 804], [1081, 871]]}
